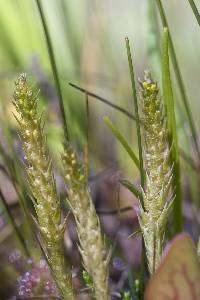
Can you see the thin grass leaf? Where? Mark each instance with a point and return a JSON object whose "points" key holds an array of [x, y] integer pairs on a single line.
{"points": [[13, 174], [87, 126], [11, 221], [142, 173], [131, 69], [153, 40], [131, 188], [188, 160], [135, 233], [122, 141], [114, 211], [171, 122], [54, 68], [179, 79], [109, 103], [195, 10], [132, 287], [5, 157], [185, 157]]}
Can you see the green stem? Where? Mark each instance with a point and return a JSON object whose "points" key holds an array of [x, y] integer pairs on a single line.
{"points": [[153, 39], [54, 68], [87, 126], [14, 177], [122, 140], [130, 62], [131, 188], [195, 10], [179, 78], [171, 122], [107, 102], [14, 226], [142, 174]]}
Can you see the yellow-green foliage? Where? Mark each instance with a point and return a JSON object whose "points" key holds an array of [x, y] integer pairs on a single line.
{"points": [[155, 210], [88, 228], [42, 184]]}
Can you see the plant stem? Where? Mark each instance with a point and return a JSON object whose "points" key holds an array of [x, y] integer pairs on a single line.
{"points": [[173, 140], [86, 150], [185, 157], [195, 10], [54, 68], [142, 174], [122, 140], [179, 78], [14, 225], [109, 103], [130, 62]]}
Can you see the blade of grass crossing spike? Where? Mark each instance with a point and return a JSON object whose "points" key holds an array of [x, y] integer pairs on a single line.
{"points": [[179, 79], [131, 69], [122, 141], [195, 10], [54, 68], [171, 121]]}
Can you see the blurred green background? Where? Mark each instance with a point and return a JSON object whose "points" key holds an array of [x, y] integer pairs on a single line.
{"points": [[88, 42]]}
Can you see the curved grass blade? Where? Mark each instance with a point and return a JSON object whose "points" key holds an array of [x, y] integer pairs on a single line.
{"points": [[131, 188], [122, 141], [171, 122], [54, 69], [179, 79]]}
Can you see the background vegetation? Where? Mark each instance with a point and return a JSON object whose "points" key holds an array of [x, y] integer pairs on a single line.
{"points": [[89, 49]]}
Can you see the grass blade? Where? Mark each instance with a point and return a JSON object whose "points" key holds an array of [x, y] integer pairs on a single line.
{"points": [[131, 188], [171, 122], [179, 79], [12, 172], [14, 225], [131, 69], [122, 141], [185, 157], [54, 68], [87, 126], [153, 39], [195, 10], [142, 173], [109, 103]]}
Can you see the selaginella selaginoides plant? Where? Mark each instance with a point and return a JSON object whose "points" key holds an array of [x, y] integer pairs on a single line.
{"points": [[156, 195], [42, 184], [92, 246]]}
